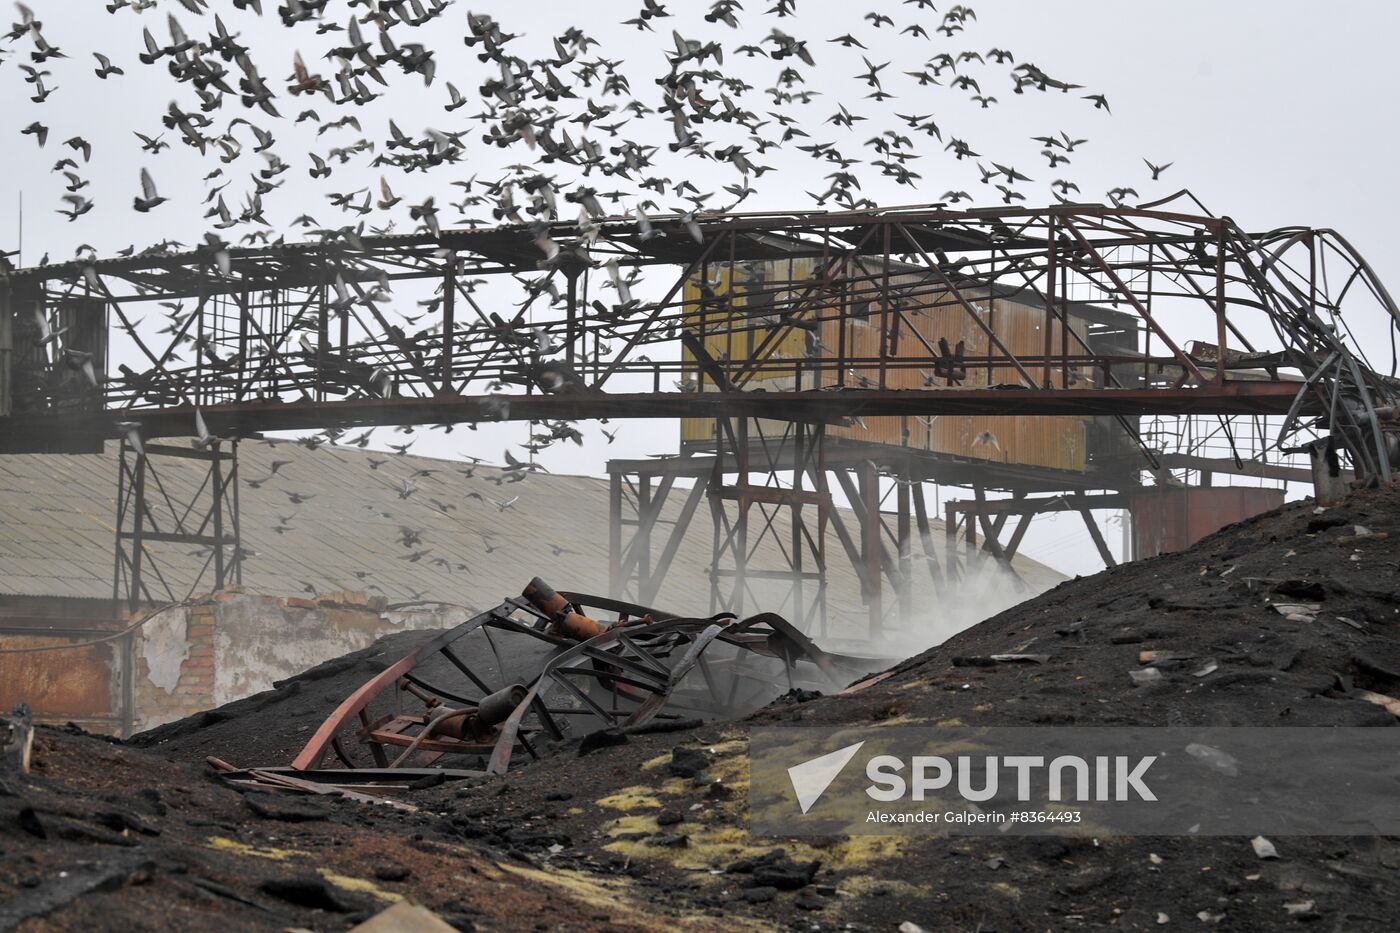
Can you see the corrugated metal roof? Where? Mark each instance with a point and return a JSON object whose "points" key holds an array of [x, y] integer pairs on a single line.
{"points": [[58, 513]]}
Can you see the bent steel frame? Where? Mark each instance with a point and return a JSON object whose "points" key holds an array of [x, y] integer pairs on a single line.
{"points": [[301, 336], [625, 675]]}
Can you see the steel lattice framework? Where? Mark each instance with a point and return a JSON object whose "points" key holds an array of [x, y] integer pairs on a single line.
{"points": [[1206, 349], [302, 336]]}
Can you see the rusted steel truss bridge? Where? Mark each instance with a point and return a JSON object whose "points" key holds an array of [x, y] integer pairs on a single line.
{"points": [[775, 332]]}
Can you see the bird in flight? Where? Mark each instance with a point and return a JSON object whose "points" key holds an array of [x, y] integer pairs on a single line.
{"points": [[1157, 170], [148, 197]]}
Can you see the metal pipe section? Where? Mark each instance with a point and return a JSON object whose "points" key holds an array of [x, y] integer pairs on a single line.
{"points": [[564, 620]]}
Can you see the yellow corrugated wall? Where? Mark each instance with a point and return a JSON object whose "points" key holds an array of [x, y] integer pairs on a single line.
{"points": [[723, 345], [1055, 442]]}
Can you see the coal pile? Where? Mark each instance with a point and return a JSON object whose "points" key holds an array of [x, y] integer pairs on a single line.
{"points": [[102, 836], [1291, 618], [272, 726]]}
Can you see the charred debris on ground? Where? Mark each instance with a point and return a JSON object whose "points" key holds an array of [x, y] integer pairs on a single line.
{"points": [[1292, 618]]}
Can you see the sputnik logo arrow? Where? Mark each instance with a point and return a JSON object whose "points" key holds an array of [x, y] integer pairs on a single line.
{"points": [[811, 778]]}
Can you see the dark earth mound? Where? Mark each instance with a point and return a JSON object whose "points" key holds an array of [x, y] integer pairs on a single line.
{"points": [[101, 836], [626, 836], [1211, 606], [270, 727]]}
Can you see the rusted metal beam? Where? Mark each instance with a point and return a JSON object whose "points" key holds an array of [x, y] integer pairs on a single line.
{"points": [[1036, 505], [442, 373], [251, 418], [1094, 533], [1127, 294]]}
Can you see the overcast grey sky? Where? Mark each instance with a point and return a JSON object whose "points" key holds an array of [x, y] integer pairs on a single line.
{"points": [[1273, 112]]}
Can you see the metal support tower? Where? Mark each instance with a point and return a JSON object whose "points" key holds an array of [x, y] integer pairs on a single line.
{"points": [[774, 481], [775, 468], [158, 503]]}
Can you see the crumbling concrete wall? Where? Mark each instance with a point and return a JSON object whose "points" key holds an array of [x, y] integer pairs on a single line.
{"points": [[237, 643], [174, 657], [259, 640]]}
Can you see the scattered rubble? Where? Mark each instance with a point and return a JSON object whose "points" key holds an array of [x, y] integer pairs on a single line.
{"points": [[531, 673], [649, 828]]}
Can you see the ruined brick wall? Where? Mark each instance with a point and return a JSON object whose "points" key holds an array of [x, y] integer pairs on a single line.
{"points": [[260, 640], [237, 643], [174, 658], [195, 657]]}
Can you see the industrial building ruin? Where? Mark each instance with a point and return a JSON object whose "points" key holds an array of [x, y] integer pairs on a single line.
{"points": [[578, 472], [833, 369]]}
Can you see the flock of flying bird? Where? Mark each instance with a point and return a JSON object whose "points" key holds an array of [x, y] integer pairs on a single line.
{"points": [[575, 120], [574, 108], [414, 491]]}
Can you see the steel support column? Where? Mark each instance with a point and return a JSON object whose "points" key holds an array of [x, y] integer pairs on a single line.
{"points": [[760, 474], [150, 513]]}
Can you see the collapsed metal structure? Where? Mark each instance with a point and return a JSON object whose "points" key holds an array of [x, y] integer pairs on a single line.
{"points": [[623, 673], [1189, 319]]}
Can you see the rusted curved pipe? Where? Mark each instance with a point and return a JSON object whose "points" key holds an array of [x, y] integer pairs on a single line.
{"points": [[570, 624], [564, 621]]}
